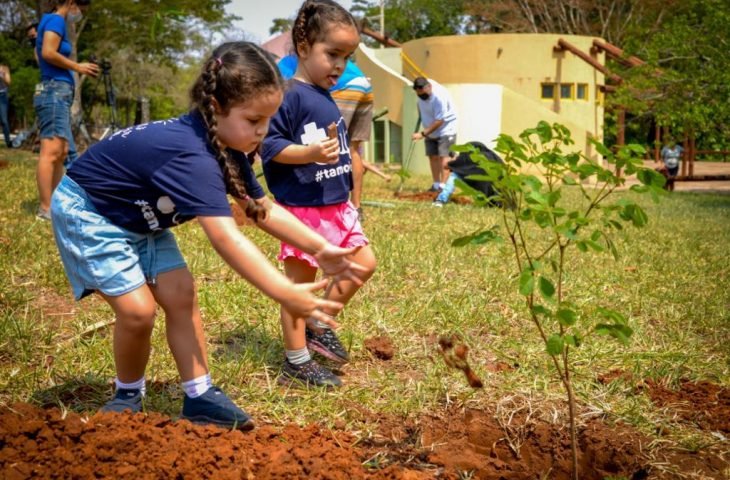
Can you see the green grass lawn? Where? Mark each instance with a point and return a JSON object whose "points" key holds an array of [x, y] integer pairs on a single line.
{"points": [[672, 282]]}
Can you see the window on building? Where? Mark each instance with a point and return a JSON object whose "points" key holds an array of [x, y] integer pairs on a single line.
{"points": [[581, 91], [566, 91], [547, 91]]}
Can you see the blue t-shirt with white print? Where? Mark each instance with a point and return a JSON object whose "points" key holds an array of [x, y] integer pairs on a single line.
{"points": [[302, 119], [157, 175]]}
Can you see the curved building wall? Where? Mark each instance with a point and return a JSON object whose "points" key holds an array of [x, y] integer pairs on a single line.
{"points": [[522, 63]]}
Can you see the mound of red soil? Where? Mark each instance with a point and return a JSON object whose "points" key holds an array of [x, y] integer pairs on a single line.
{"points": [[380, 347], [703, 403], [37, 443]]}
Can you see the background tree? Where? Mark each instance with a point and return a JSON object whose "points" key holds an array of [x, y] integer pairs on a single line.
{"points": [[410, 19], [148, 44], [685, 84]]}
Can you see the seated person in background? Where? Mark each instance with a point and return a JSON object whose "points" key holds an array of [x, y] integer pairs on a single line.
{"points": [[461, 168]]}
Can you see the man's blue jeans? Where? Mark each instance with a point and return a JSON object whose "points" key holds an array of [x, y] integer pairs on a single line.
{"points": [[4, 117]]}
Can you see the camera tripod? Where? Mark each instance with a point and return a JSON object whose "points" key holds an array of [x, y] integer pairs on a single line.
{"points": [[110, 99]]}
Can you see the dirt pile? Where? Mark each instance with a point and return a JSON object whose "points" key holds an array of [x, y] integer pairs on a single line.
{"points": [[37, 443], [454, 444]]}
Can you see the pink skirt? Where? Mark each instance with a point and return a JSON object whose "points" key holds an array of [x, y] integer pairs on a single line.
{"points": [[338, 224]]}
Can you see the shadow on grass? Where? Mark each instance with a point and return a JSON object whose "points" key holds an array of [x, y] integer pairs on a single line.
{"points": [[248, 341], [90, 392]]}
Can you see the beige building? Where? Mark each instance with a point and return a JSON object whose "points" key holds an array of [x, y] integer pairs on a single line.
{"points": [[501, 83]]}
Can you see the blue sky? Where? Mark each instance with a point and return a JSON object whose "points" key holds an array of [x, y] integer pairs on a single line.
{"points": [[258, 15]]}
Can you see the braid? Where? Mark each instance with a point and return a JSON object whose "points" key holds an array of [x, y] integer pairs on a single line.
{"points": [[229, 167]]}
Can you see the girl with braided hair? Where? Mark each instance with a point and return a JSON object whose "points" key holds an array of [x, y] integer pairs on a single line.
{"points": [[113, 211], [308, 169]]}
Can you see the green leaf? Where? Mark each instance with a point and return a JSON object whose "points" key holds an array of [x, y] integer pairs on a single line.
{"points": [[544, 131], [478, 238], [566, 317], [611, 315], [620, 332], [541, 310], [547, 289], [527, 282], [555, 344]]}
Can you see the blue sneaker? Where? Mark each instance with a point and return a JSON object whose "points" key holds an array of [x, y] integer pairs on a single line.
{"points": [[124, 399], [214, 407]]}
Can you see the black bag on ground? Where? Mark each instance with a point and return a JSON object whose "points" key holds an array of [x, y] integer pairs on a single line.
{"points": [[464, 166]]}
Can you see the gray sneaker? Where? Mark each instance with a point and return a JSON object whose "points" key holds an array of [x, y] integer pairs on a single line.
{"points": [[308, 374], [43, 214]]}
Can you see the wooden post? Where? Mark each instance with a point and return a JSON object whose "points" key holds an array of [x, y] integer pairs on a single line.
{"points": [[657, 142], [685, 145], [693, 152], [621, 133]]}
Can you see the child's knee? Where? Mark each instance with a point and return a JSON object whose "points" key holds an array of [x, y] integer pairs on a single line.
{"points": [[138, 321], [366, 258]]}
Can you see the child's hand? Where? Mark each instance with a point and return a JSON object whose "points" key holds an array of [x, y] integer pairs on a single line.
{"points": [[334, 263], [326, 151], [300, 302]]}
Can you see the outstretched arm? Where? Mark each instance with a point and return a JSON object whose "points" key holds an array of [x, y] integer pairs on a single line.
{"points": [[331, 259], [248, 261]]}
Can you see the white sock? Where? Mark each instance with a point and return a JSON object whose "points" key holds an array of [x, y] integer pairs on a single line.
{"points": [[138, 385], [197, 386], [297, 357]]}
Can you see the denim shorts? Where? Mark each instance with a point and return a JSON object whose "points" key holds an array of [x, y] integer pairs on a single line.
{"points": [[52, 101], [99, 255]]}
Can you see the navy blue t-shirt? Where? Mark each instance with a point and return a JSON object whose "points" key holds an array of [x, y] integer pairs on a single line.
{"points": [[302, 119], [53, 22], [157, 175]]}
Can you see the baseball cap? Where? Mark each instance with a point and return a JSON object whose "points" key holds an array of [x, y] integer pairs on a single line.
{"points": [[419, 82]]}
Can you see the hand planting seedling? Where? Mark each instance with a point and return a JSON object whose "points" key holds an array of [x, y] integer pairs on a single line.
{"points": [[454, 355]]}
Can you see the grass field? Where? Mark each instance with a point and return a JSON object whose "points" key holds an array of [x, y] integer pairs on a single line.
{"points": [[672, 282]]}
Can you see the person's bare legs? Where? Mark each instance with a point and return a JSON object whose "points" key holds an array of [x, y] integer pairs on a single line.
{"points": [[175, 292], [444, 169], [301, 272], [50, 168], [369, 167], [344, 290], [293, 329], [435, 163], [358, 171], [135, 317]]}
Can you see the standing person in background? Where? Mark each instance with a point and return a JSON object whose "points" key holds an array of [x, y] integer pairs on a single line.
{"points": [[307, 165], [114, 209], [54, 95], [438, 117], [671, 156], [5, 102], [353, 95]]}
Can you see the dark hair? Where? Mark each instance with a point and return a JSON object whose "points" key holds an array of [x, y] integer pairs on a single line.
{"points": [[314, 19], [233, 74], [52, 5]]}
